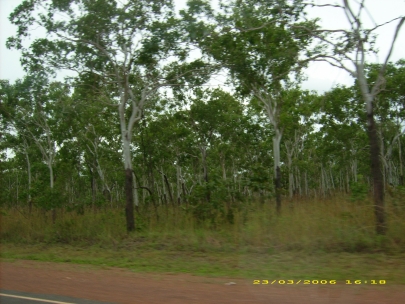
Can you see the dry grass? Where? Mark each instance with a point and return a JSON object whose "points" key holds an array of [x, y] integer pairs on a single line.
{"points": [[333, 225]]}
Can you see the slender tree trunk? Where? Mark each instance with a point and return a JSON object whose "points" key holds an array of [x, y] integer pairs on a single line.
{"points": [[378, 185], [277, 172], [401, 168], [277, 183], [298, 181], [164, 199], [375, 153], [135, 191], [129, 208], [52, 184], [129, 182], [331, 179], [169, 190], [17, 192], [205, 172], [290, 149], [322, 182], [106, 189], [29, 176], [93, 191], [290, 183], [179, 183]]}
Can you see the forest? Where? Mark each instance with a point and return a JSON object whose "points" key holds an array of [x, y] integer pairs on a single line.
{"points": [[139, 141]]}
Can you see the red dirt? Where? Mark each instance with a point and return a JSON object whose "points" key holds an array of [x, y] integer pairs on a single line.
{"points": [[123, 286]]}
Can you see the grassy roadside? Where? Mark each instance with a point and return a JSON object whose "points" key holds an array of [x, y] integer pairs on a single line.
{"points": [[313, 239], [287, 265]]}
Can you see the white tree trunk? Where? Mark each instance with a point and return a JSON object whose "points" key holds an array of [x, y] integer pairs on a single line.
{"points": [[276, 149], [28, 172]]}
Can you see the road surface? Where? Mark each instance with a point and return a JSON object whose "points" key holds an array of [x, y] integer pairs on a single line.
{"points": [[81, 284], [18, 297]]}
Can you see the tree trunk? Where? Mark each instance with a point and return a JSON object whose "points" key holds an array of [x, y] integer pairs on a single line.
{"points": [[135, 191], [401, 169], [179, 183], [290, 150], [93, 190], [169, 190], [129, 183], [332, 182], [29, 176], [51, 185], [277, 183], [377, 175], [291, 188], [205, 172], [129, 208], [375, 153], [277, 172]]}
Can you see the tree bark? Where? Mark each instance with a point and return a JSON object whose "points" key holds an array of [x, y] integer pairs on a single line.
{"points": [[93, 191], [129, 183], [169, 190], [205, 172], [129, 208], [401, 169], [29, 175], [377, 175], [277, 172], [277, 183]]}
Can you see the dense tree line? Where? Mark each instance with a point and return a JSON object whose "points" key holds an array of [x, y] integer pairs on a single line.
{"points": [[138, 100]]}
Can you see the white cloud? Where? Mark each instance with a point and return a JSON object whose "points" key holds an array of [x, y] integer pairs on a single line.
{"points": [[10, 67]]}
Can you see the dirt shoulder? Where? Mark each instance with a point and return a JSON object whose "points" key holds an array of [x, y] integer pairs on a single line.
{"points": [[117, 285]]}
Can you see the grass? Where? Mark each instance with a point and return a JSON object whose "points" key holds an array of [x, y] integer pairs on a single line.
{"points": [[287, 265], [332, 239]]}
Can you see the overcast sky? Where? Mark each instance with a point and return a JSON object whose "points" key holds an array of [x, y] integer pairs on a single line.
{"points": [[321, 76]]}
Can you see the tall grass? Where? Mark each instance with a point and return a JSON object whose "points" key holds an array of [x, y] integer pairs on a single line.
{"points": [[332, 225]]}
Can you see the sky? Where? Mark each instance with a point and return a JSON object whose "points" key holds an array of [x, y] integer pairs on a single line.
{"points": [[321, 76]]}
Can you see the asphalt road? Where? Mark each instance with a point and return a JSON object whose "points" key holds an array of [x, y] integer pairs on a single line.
{"points": [[18, 297]]}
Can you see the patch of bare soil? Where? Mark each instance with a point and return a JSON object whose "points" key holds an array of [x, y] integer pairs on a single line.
{"points": [[117, 285]]}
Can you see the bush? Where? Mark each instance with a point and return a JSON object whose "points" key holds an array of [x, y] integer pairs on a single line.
{"points": [[359, 189]]}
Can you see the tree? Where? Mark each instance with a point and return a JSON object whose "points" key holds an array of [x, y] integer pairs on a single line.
{"points": [[260, 44], [36, 111], [345, 47], [128, 52], [390, 116]]}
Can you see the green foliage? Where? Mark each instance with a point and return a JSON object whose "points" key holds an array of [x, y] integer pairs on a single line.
{"points": [[49, 199], [359, 190], [206, 150]]}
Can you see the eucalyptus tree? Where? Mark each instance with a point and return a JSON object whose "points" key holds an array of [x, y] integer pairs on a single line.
{"points": [[36, 115], [160, 152], [217, 122], [129, 49], [261, 45], [343, 142], [390, 116], [349, 49], [24, 157], [297, 120], [97, 135], [15, 145]]}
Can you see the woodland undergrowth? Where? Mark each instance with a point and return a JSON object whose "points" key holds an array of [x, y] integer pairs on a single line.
{"points": [[328, 225]]}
